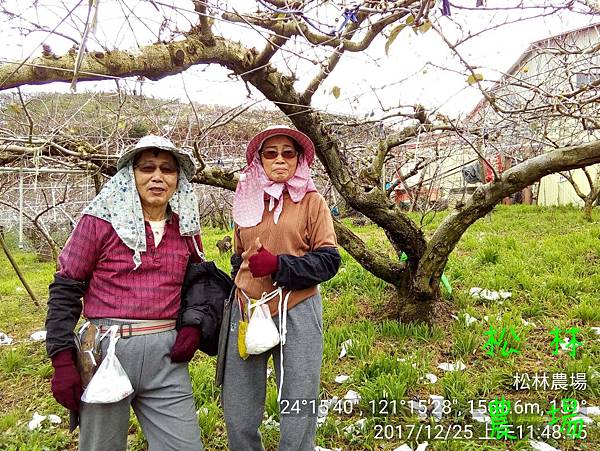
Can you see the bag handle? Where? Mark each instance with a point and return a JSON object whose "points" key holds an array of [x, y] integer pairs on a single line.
{"points": [[112, 330], [264, 298]]}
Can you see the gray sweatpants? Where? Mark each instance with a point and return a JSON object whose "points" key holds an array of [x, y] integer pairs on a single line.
{"points": [[162, 400], [244, 384]]}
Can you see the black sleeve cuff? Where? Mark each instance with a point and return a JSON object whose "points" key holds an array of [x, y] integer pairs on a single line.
{"points": [[64, 310], [298, 273]]}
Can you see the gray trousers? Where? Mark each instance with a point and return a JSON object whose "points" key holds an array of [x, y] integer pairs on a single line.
{"points": [[162, 400], [244, 384]]}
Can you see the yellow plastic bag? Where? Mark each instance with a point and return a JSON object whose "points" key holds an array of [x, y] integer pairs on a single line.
{"points": [[242, 328]]}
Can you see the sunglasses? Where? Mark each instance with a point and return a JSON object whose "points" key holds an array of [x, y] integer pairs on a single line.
{"points": [[149, 168], [288, 154]]}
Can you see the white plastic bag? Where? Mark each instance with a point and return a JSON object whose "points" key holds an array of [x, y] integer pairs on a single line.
{"points": [[110, 383], [262, 334]]}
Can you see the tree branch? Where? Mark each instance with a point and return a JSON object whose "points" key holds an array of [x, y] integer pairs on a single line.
{"points": [[299, 28], [154, 62], [377, 263], [217, 177], [574, 185], [487, 196], [326, 69], [205, 32]]}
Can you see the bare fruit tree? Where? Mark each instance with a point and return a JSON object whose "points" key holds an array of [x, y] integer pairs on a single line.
{"points": [[290, 50]]}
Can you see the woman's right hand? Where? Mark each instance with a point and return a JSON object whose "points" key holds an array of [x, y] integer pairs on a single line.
{"points": [[263, 263]]}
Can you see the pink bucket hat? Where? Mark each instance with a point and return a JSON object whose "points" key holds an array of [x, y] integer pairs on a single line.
{"points": [[254, 185], [308, 148]]}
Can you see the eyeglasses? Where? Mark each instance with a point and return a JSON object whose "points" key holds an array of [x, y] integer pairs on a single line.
{"points": [[288, 154], [149, 168]]}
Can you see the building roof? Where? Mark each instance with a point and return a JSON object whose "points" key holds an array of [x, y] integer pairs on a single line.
{"points": [[533, 48]]}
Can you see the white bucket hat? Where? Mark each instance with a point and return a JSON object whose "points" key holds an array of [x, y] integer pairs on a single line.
{"points": [[184, 157]]}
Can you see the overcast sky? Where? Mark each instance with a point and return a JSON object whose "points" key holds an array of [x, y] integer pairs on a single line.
{"points": [[418, 69]]}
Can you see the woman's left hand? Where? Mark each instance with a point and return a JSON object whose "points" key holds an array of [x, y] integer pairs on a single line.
{"points": [[263, 263], [186, 343]]}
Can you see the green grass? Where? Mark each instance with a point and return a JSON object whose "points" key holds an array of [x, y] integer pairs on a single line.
{"points": [[549, 259]]}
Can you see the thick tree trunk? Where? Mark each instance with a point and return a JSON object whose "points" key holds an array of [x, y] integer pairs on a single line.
{"points": [[411, 306]]}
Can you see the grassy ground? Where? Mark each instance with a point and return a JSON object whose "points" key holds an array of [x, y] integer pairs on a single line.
{"points": [[549, 259]]}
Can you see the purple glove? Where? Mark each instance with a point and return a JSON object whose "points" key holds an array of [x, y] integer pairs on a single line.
{"points": [[186, 343], [66, 382], [263, 263]]}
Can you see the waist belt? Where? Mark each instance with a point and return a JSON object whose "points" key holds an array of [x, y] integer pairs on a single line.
{"points": [[135, 328]]}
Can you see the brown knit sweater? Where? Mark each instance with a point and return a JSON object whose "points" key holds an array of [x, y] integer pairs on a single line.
{"points": [[302, 227]]}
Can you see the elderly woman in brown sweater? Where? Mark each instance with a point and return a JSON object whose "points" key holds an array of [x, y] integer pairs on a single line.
{"points": [[285, 245]]}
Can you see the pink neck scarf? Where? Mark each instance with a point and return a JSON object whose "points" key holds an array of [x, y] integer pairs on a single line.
{"points": [[249, 199]]}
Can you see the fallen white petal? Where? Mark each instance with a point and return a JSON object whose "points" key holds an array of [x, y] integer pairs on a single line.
{"points": [[357, 427], [475, 291], [39, 335], [498, 317], [586, 420], [470, 319], [342, 378], [404, 447], [430, 378], [36, 421], [541, 446], [352, 396], [360, 424], [5, 339], [422, 447], [54, 419], [480, 416], [590, 410], [345, 346], [458, 366], [489, 295], [596, 330], [270, 423]]}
